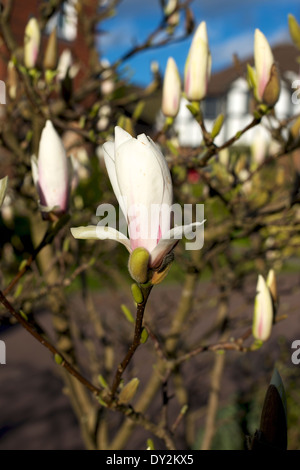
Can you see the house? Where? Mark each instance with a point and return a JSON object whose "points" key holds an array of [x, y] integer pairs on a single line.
{"points": [[228, 93]]}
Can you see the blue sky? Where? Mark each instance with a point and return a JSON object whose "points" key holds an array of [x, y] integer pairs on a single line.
{"points": [[230, 25]]}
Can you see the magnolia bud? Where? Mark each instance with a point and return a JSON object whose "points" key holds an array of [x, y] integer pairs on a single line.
{"points": [[295, 129], [272, 285], [171, 90], [172, 14], [129, 391], [137, 294], [32, 41], [263, 311], [3, 187], [217, 126], [138, 265], [294, 28], [12, 80], [266, 80], [51, 54], [51, 172], [170, 7], [272, 90], [198, 66]]}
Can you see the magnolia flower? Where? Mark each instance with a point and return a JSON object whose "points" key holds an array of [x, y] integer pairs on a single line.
{"points": [[171, 90], [198, 66], [265, 78], [263, 311], [51, 172], [142, 184], [32, 41]]}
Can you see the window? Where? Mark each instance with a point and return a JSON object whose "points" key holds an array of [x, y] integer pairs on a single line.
{"points": [[213, 106]]}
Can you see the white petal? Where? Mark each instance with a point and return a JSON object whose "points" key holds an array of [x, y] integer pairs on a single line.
{"points": [[121, 136], [53, 173], [169, 240], [263, 60], [109, 158], [143, 138], [109, 148], [168, 188], [141, 182], [95, 232], [34, 170]]}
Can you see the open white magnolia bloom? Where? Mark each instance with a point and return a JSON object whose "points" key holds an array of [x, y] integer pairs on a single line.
{"points": [[141, 181]]}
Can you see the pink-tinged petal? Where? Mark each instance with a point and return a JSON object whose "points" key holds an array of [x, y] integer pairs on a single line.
{"points": [[32, 39], [263, 311], [169, 240], [198, 65], [98, 232], [263, 61], [171, 90]]}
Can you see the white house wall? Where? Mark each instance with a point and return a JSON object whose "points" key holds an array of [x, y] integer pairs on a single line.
{"points": [[237, 116]]}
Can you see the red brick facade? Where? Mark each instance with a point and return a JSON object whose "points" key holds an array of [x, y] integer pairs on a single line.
{"points": [[21, 13]]}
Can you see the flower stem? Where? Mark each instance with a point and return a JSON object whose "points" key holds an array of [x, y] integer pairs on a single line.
{"points": [[135, 342]]}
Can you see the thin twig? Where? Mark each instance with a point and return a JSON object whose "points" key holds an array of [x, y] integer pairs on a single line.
{"points": [[135, 343]]}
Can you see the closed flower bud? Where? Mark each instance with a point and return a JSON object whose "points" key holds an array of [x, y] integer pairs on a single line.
{"points": [[12, 80], [172, 14], [171, 90], [32, 41], [129, 391], [51, 54], [198, 66], [138, 265], [170, 7], [272, 285], [294, 28], [267, 80], [3, 187], [137, 294], [263, 311], [51, 172]]}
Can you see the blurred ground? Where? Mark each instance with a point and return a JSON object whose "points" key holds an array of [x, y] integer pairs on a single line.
{"points": [[35, 414]]}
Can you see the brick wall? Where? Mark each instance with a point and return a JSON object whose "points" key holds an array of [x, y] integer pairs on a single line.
{"points": [[21, 13]]}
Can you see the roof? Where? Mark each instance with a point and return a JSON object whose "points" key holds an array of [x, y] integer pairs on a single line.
{"points": [[284, 54]]}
